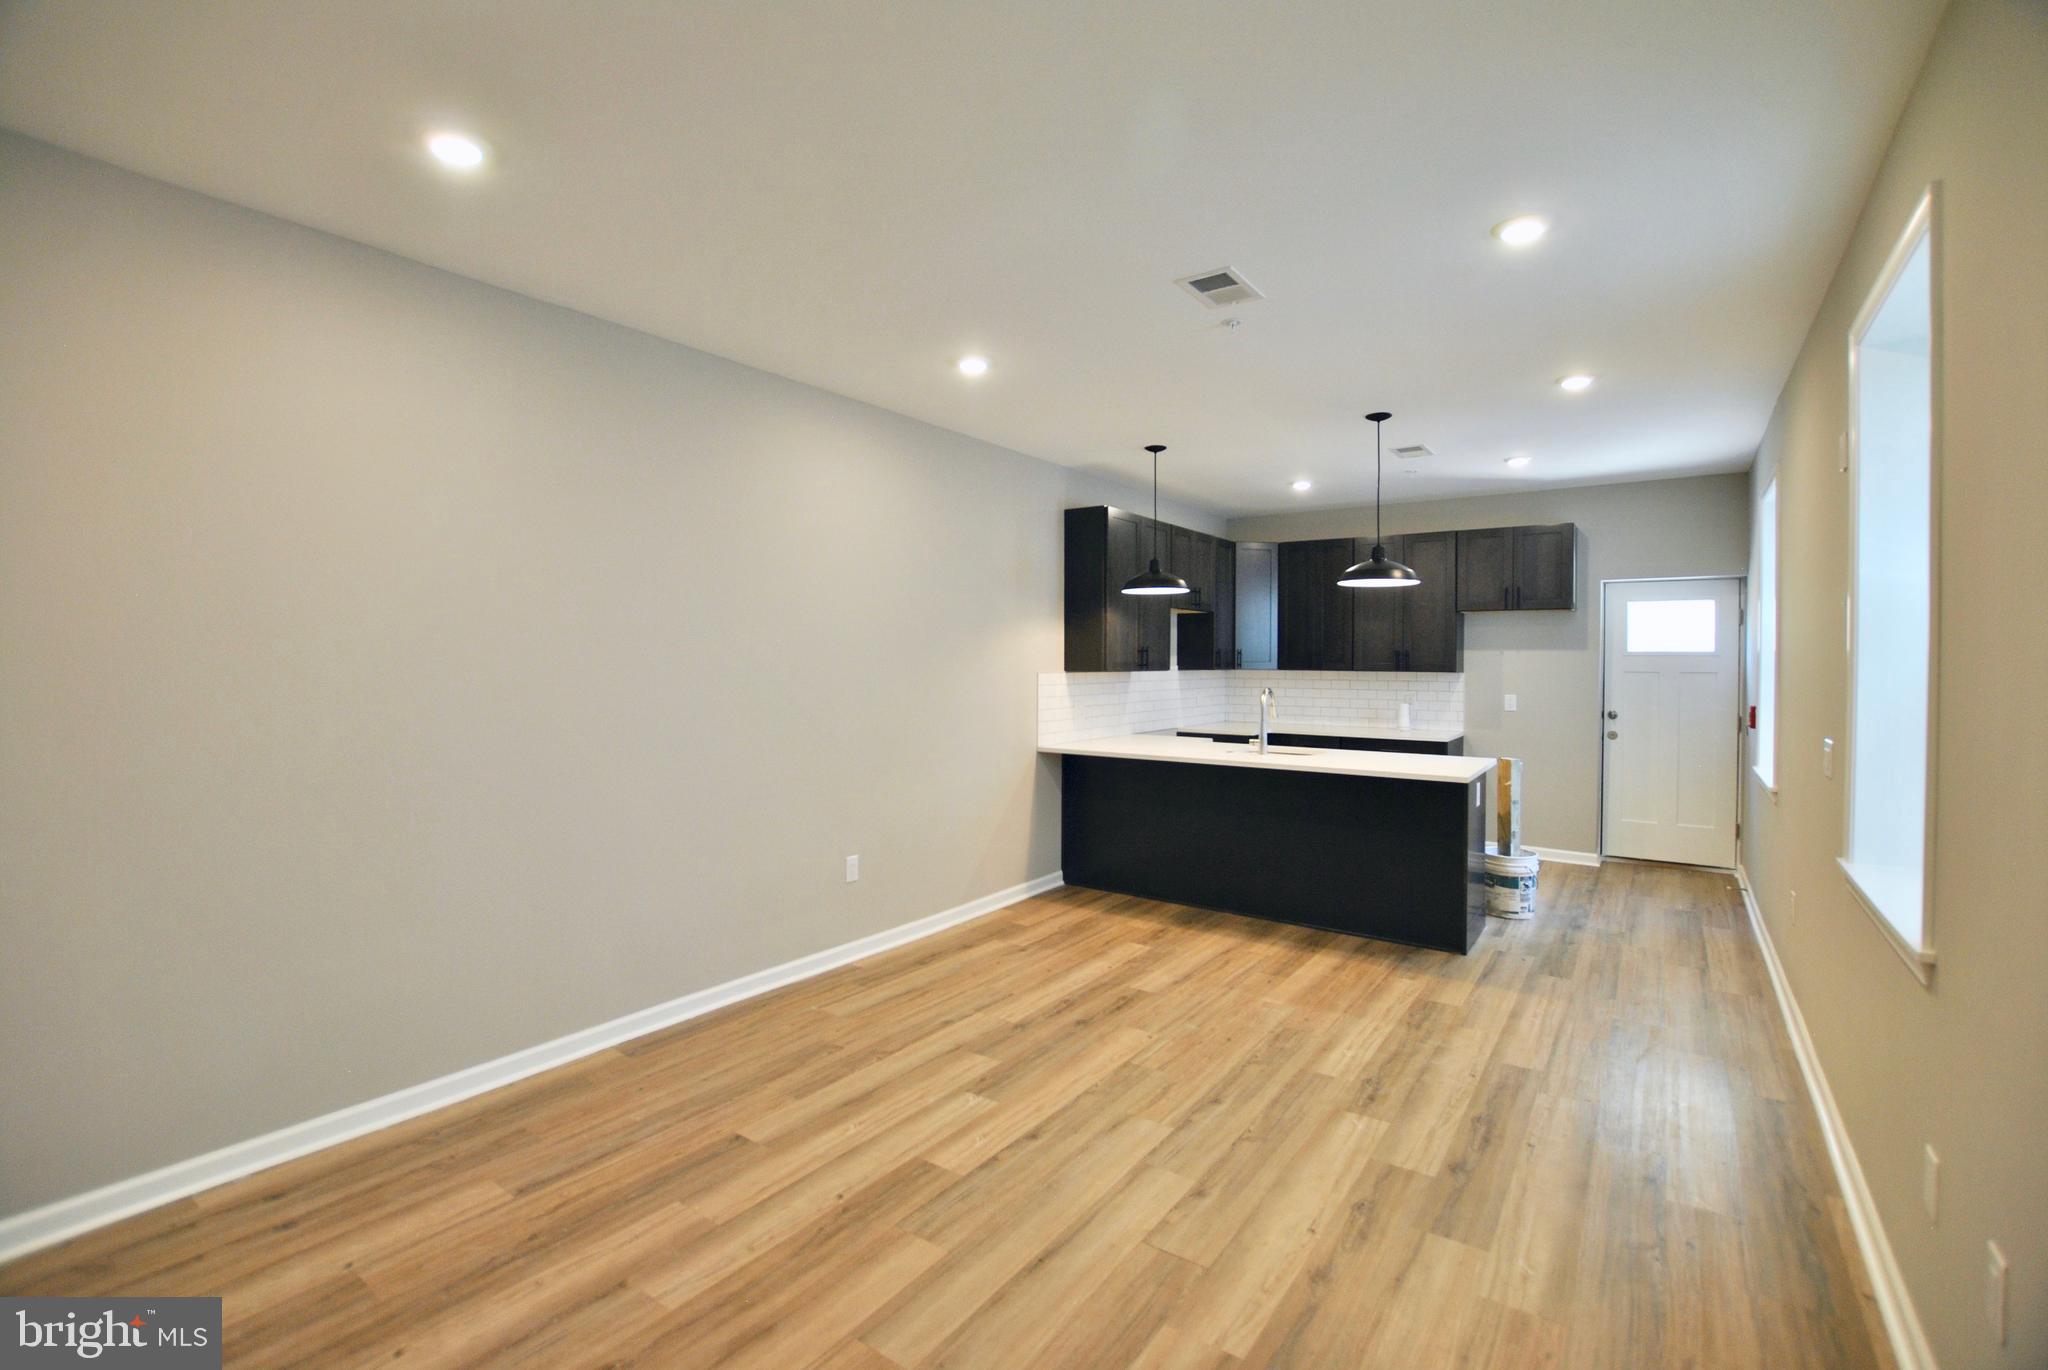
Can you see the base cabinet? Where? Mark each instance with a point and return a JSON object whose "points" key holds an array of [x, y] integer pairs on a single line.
{"points": [[1402, 860], [1415, 746]]}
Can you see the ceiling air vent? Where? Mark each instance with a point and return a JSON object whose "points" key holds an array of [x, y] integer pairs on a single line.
{"points": [[1412, 451], [1220, 287]]}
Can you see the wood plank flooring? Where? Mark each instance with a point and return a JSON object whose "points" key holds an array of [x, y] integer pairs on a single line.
{"points": [[1090, 1130]]}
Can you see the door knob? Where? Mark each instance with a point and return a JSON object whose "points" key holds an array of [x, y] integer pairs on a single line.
{"points": [[1612, 714], [1611, 735]]}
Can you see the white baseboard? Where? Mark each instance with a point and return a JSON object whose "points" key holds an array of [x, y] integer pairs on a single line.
{"points": [[55, 1222], [1894, 1300], [1563, 856]]}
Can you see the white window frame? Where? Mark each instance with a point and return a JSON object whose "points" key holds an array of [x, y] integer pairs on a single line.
{"points": [[1767, 651], [1924, 223]]}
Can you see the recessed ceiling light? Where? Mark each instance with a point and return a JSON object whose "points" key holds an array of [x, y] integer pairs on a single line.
{"points": [[1575, 383], [1519, 460], [973, 366], [1521, 230], [1302, 486], [456, 151]]}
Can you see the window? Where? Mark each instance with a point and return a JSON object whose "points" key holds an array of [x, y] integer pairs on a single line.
{"points": [[1669, 627], [1892, 363], [1764, 692]]}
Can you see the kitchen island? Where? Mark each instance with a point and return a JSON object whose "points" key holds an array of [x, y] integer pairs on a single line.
{"points": [[1379, 844]]}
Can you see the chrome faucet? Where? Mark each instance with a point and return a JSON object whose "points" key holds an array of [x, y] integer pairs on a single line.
{"points": [[1268, 708]]}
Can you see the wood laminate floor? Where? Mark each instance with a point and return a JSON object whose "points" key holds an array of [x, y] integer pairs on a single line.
{"points": [[1090, 1130]]}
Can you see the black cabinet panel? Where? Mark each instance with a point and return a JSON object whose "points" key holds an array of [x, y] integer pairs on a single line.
{"points": [[1414, 746], [1486, 569], [1432, 633], [1180, 558], [1107, 630], [1127, 554], [1376, 620], [1315, 614], [1411, 745], [1544, 566], [1532, 567], [1413, 629], [1396, 859], [1222, 603]]}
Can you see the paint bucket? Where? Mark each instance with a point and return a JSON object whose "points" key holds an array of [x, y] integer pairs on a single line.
{"points": [[1511, 885]]}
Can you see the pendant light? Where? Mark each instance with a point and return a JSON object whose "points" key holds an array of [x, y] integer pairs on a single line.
{"points": [[1377, 572], [1155, 581]]}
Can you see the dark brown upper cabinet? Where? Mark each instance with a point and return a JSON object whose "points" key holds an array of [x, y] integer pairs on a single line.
{"points": [[1108, 630], [1432, 631], [1416, 629], [1221, 601], [1530, 567], [1316, 615]]}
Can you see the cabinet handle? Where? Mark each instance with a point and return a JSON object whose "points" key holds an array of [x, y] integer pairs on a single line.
{"points": [[1143, 652], [1518, 596], [1240, 656], [1505, 592]]}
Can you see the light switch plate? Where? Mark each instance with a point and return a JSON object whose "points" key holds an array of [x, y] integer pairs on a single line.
{"points": [[1508, 704], [1827, 758], [1930, 1184], [852, 869]]}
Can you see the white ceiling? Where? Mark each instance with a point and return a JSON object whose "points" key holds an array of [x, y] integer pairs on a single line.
{"points": [[855, 194]]}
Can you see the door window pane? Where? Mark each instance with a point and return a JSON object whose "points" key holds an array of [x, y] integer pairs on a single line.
{"points": [[1670, 626]]}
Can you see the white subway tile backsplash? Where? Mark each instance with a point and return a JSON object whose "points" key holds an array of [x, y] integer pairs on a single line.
{"points": [[1077, 707]]}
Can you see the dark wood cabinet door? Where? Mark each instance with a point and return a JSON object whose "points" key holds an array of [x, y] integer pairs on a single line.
{"points": [[1315, 615], [1545, 566], [1486, 569], [1298, 628], [1432, 633], [1124, 613], [1334, 557], [1178, 559], [1154, 612], [1376, 620], [1223, 603]]}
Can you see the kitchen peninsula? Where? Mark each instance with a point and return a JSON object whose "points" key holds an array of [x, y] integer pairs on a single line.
{"points": [[1380, 844]]}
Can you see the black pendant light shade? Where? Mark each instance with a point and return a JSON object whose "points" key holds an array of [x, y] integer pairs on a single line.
{"points": [[1378, 571], [1155, 581]]}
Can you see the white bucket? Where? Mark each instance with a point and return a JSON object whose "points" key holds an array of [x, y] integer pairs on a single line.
{"points": [[1511, 885]]}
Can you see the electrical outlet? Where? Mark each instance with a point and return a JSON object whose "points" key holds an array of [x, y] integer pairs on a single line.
{"points": [[1827, 758], [1508, 704], [852, 869], [1792, 908], [1930, 1184], [1994, 1290]]}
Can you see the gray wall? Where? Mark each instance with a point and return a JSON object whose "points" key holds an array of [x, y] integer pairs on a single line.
{"points": [[398, 672], [1962, 1063], [1550, 660]]}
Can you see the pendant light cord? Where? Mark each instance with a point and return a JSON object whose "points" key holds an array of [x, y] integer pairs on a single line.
{"points": [[1378, 529]]}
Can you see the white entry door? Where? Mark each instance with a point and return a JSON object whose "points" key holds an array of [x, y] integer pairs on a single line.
{"points": [[1669, 721]]}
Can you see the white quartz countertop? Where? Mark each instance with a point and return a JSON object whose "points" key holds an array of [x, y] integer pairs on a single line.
{"points": [[1200, 751], [1282, 725]]}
